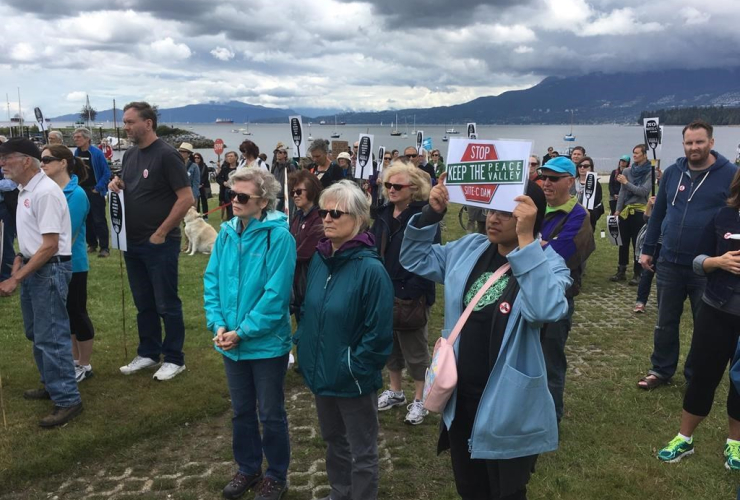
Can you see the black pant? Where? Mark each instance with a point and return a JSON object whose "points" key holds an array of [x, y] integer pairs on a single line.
{"points": [[79, 321], [712, 348], [484, 479], [96, 224], [628, 230], [203, 201]]}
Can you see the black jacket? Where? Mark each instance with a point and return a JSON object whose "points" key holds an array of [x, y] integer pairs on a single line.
{"points": [[406, 285], [715, 241]]}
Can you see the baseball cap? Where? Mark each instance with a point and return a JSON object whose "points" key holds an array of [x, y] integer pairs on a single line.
{"points": [[344, 156], [560, 164], [625, 158], [20, 145]]}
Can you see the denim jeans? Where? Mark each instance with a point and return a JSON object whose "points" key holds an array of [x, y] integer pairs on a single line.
{"points": [[675, 283], [43, 304], [6, 259], [256, 389], [96, 231], [646, 280], [152, 275], [553, 347]]}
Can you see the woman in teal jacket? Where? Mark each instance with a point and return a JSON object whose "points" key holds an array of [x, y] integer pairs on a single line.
{"points": [[68, 171], [501, 415], [344, 338], [247, 293]]}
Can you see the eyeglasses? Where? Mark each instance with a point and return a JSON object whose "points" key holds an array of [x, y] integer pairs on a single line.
{"points": [[5, 158], [397, 187], [297, 192], [435, 154], [411, 155], [551, 178], [503, 216], [48, 159], [386, 158], [334, 214], [585, 165], [534, 164], [242, 198]]}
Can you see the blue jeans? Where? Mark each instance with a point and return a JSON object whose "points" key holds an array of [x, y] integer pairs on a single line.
{"points": [[646, 279], [675, 283], [44, 308], [152, 275], [256, 389], [6, 259], [553, 347]]}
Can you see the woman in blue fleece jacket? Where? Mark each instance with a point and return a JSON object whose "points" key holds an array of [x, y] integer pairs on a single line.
{"points": [[501, 415]]}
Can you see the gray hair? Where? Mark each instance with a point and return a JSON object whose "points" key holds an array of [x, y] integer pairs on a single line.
{"points": [[35, 162], [353, 201], [56, 136], [539, 162], [319, 145], [84, 132], [267, 186]]}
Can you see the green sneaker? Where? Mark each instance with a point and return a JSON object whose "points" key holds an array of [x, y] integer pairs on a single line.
{"points": [[732, 453], [679, 448]]}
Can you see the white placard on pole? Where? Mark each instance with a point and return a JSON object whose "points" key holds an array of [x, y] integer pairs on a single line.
{"points": [[300, 139], [472, 130], [653, 136], [612, 230], [117, 210], [487, 174], [381, 162], [364, 164], [589, 190]]}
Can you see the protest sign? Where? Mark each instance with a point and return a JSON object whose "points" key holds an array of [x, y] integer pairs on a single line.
{"points": [[472, 130], [612, 226], [589, 190], [364, 165], [299, 138], [117, 212], [381, 154], [653, 135], [487, 174]]}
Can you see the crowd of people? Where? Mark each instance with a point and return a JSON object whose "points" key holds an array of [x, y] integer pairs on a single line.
{"points": [[355, 262]]}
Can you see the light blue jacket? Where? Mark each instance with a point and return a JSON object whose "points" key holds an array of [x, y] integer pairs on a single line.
{"points": [[79, 206], [247, 286], [516, 415]]}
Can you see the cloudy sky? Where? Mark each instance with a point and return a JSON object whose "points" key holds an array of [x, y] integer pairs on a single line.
{"points": [[346, 54]]}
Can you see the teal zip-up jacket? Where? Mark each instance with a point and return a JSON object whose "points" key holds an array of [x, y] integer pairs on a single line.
{"points": [[247, 286], [516, 413], [79, 206], [346, 329]]}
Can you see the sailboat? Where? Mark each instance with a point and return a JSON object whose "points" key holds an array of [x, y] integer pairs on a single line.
{"points": [[246, 132], [310, 137], [335, 134], [405, 134], [394, 131], [569, 137], [414, 131]]}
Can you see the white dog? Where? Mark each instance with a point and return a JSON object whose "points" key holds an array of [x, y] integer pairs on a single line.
{"points": [[200, 234]]}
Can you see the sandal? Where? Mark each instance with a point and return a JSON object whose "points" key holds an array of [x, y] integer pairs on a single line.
{"points": [[650, 382]]}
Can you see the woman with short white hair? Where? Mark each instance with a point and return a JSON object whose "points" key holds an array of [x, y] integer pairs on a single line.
{"points": [[247, 287], [344, 338]]}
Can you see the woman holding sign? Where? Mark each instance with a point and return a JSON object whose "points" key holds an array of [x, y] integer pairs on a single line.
{"points": [[501, 414], [585, 166], [61, 166]]}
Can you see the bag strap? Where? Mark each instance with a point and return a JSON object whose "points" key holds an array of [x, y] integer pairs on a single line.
{"points": [[468, 310]]}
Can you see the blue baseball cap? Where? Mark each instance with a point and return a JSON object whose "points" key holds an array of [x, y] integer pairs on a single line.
{"points": [[560, 164], [625, 158]]}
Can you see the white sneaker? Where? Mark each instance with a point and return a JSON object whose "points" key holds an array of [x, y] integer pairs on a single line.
{"points": [[416, 413], [137, 364], [168, 371], [291, 360], [83, 372], [388, 399]]}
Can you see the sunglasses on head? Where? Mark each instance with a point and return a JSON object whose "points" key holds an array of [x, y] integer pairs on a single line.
{"points": [[397, 187], [297, 192], [242, 198], [48, 159], [334, 214], [551, 178]]}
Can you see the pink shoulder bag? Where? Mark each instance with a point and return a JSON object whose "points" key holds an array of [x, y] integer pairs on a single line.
{"points": [[441, 376]]}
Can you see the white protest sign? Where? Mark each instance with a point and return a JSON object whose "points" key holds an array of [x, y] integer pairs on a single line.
{"points": [[364, 165], [117, 210], [472, 130], [653, 135], [612, 226], [299, 138], [589, 190], [419, 141], [487, 174], [381, 154]]}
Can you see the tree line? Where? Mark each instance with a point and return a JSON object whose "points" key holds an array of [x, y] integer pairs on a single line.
{"points": [[716, 115]]}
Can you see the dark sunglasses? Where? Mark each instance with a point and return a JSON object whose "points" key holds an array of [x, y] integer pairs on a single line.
{"points": [[435, 154], [48, 159], [411, 156], [534, 164], [397, 187], [242, 198], [387, 158], [334, 214], [503, 216], [297, 192], [551, 178], [585, 165]]}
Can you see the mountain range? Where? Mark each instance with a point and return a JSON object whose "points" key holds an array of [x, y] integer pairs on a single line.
{"points": [[591, 98]]}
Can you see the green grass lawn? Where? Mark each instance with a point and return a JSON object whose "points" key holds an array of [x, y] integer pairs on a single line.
{"points": [[610, 433]]}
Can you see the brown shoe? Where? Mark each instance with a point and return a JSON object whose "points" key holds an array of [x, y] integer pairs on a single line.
{"points": [[61, 415], [37, 394]]}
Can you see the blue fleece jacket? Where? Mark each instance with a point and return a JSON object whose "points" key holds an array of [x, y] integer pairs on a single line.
{"points": [[684, 206], [100, 168], [79, 206]]}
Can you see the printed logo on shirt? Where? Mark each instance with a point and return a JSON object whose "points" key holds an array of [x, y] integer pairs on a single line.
{"points": [[146, 173], [504, 307], [27, 203]]}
